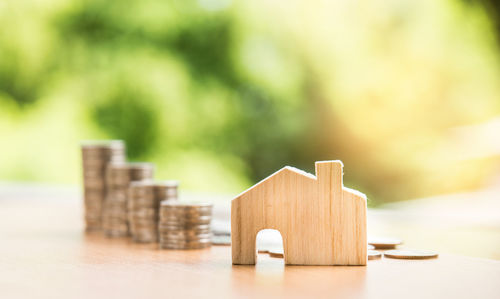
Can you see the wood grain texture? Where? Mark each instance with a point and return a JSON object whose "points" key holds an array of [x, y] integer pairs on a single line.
{"points": [[321, 222], [44, 253]]}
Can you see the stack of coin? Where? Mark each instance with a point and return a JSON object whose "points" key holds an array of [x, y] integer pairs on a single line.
{"points": [[115, 205], [143, 212], [119, 176], [95, 157], [166, 190], [185, 225], [141, 171], [144, 205]]}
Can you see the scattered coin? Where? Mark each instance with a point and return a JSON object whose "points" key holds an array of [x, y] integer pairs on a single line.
{"points": [[276, 253], [374, 255], [384, 243], [221, 240], [411, 254]]}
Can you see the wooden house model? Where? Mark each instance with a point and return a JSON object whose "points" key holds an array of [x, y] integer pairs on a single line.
{"points": [[321, 221]]}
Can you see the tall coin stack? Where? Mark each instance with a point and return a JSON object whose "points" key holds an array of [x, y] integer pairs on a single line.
{"points": [[185, 225], [119, 176], [95, 157]]}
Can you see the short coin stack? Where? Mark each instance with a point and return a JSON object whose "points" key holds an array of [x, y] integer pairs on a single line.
{"points": [[119, 176], [95, 157], [185, 225], [143, 212]]}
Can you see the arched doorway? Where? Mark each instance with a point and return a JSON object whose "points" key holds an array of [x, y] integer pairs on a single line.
{"points": [[269, 243]]}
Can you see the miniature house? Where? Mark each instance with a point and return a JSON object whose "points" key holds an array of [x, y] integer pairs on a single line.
{"points": [[321, 221]]}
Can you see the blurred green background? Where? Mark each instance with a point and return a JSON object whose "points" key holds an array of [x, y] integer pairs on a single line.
{"points": [[220, 93]]}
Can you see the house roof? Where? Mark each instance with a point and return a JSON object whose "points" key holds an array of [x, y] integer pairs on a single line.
{"points": [[297, 172], [279, 172], [355, 192]]}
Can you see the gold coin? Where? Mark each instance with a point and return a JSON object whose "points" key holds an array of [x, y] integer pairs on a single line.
{"points": [[136, 227], [411, 254], [179, 237], [182, 247], [143, 213], [186, 205], [185, 214], [185, 242], [184, 220], [145, 233], [116, 233], [184, 225], [201, 227], [276, 253], [221, 240], [384, 243], [374, 255], [144, 239]]}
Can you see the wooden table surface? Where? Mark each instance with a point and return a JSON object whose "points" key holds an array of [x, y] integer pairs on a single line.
{"points": [[44, 253]]}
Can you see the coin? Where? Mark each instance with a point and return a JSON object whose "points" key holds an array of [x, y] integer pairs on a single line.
{"points": [[142, 188], [144, 213], [146, 232], [185, 236], [410, 254], [144, 223], [221, 240], [185, 213], [145, 239], [276, 253], [116, 233], [188, 205], [384, 243], [218, 231], [185, 242], [179, 220], [201, 227], [373, 255], [183, 247]]}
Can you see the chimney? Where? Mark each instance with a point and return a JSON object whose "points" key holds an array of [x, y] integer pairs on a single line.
{"points": [[329, 174]]}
